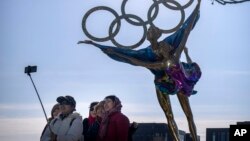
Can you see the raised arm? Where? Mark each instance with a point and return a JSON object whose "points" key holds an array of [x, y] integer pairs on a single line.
{"points": [[92, 43], [189, 60], [150, 65], [122, 54], [187, 31]]}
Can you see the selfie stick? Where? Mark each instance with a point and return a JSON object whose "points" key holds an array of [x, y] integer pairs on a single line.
{"points": [[28, 73]]}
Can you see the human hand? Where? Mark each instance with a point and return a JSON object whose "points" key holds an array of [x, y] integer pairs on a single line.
{"points": [[85, 42]]}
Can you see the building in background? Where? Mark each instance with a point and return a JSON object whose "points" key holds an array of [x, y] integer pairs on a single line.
{"points": [[217, 134], [243, 123], [188, 137], [221, 134], [155, 132]]}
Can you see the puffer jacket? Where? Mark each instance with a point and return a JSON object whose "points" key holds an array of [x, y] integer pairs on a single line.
{"points": [[68, 129]]}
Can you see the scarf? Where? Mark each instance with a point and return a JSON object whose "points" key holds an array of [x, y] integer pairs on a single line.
{"points": [[91, 120], [105, 121]]}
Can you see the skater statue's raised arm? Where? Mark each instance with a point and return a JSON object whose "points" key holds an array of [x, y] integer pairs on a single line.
{"points": [[189, 60], [90, 42], [150, 65], [145, 54], [189, 26]]}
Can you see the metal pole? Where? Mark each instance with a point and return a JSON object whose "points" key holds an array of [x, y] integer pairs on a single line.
{"points": [[38, 97]]}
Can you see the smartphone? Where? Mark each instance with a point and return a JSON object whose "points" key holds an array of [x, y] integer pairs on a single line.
{"points": [[30, 69]]}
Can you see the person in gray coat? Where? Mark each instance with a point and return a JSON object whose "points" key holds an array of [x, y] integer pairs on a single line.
{"points": [[68, 125]]}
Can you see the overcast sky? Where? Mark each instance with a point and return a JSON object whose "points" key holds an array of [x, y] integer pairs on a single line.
{"points": [[45, 33]]}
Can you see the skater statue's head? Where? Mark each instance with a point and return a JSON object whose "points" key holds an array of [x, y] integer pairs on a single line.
{"points": [[153, 33], [163, 49]]}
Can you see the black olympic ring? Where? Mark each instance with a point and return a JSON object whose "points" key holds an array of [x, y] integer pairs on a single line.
{"points": [[110, 35], [178, 6], [138, 22], [127, 16]]}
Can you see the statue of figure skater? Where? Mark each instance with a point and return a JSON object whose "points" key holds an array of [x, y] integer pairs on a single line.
{"points": [[163, 60]]}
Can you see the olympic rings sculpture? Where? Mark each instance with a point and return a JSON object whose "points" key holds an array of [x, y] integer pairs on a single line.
{"points": [[139, 22]]}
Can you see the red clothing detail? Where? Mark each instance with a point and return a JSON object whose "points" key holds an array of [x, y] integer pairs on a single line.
{"points": [[117, 129], [91, 120]]}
